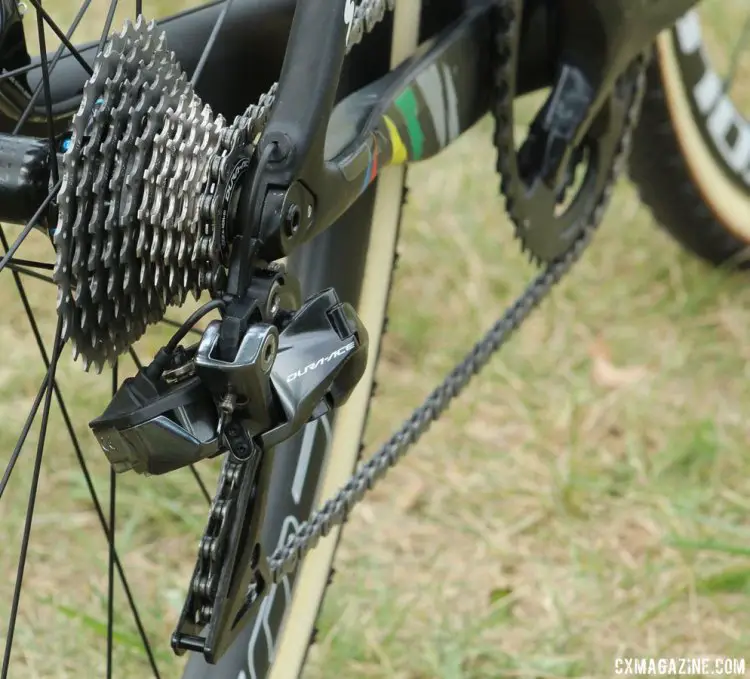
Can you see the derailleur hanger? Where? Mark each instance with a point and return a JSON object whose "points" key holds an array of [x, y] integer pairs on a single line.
{"points": [[272, 293]]}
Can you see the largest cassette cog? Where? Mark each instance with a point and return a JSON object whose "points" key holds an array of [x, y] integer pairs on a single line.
{"points": [[129, 220]]}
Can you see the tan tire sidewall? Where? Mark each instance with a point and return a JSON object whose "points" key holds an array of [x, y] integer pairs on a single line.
{"points": [[313, 575], [730, 205]]}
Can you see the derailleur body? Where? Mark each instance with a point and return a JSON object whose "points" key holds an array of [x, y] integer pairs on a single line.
{"points": [[254, 379]]}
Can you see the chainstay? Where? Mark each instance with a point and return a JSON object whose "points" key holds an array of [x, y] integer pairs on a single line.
{"points": [[335, 511]]}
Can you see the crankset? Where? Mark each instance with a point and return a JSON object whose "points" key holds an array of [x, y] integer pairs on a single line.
{"points": [[289, 367], [557, 178]]}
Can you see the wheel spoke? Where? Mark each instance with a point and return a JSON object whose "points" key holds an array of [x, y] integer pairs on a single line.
{"points": [[29, 225], [47, 93], [58, 32], [210, 43], [135, 358], [18, 71], [24, 433], [56, 347], [201, 483], [81, 462], [30, 272], [107, 24], [111, 535], [35, 95], [33, 264]]}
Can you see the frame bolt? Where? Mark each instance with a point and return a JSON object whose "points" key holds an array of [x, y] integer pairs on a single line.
{"points": [[268, 353], [292, 220]]}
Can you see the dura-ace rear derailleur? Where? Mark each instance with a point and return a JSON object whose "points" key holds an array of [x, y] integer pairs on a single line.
{"points": [[254, 379]]}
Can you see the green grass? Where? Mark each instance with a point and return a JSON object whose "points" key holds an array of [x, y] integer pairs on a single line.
{"points": [[587, 499]]}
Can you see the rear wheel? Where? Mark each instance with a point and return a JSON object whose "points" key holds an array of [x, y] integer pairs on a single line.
{"points": [[356, 256], [691, 159]]}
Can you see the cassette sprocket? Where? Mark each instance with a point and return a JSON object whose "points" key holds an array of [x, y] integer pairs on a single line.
{"points": [[130, 236]]}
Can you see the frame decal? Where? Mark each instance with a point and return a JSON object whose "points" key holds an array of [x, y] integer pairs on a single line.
{"points": [[409, 107], [399, 154], [372, 167]]}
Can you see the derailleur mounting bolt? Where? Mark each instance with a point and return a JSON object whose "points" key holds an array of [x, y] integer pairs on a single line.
{"points": [[227, 403], [268, 353], [292, 220]]}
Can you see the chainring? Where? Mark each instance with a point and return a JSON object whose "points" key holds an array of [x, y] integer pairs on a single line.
{"points": [[548, 219]]}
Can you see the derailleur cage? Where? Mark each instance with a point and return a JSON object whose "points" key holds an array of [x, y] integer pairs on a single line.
{"points": [[255, 378]]}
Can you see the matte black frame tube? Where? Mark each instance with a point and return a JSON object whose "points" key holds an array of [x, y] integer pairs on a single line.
{"points": [[244, 63]]}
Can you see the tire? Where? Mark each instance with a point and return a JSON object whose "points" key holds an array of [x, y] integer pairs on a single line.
{"points": [[683, 171]]}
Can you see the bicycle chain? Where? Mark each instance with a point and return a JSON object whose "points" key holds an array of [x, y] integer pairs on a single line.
{"points": [[212, 546], [334, 512]]}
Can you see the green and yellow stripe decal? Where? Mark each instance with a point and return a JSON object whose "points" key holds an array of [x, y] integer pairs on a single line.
{"points": [[399, 154], [420, 121], [409, 107]]}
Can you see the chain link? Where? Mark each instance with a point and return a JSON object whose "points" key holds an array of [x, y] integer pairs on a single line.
{"points": [[213, 543]]}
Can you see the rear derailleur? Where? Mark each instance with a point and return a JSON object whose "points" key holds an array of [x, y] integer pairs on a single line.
{"points": [[255, 378]]}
